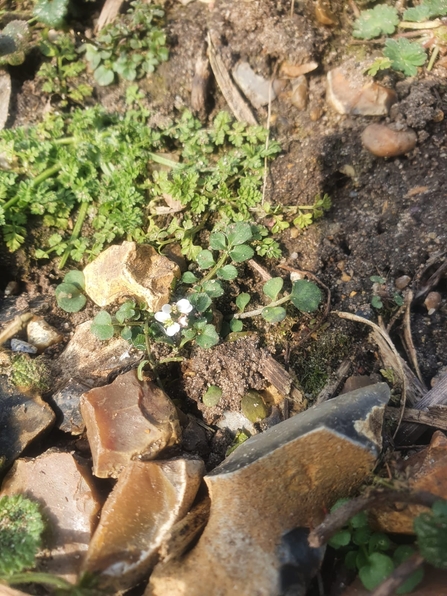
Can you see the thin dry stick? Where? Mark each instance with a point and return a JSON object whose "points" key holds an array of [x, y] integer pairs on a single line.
{"points": [[386, 337], [408, 337], [267, 140], [399, 575], [292, 8], [334, 521]]}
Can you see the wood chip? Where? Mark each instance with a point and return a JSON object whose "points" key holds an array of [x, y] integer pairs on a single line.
{"points": [[109, 12], [282, 380]]}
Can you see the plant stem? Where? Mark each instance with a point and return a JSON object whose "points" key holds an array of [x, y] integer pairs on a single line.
{"points": [[258, 311], [220, 263], [76, 231], [37, 180], [164, 161], [35, 577], [433, 57]]}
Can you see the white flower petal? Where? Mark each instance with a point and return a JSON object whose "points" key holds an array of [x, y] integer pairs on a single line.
{"points": [[184, 306], [172, 329], [183, 321], [166, 308], [162, 317]]}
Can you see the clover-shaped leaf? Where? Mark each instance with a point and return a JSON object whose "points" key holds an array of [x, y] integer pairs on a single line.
{"points": [[102, 326]]}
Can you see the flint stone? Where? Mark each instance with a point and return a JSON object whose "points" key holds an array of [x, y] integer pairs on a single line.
{"points": [[22, 420], [64, 487], [276, 481], [148, 499], [130, 270], [254, 87], [348, 92], [125, 420], [66, 403], [91, 360]]}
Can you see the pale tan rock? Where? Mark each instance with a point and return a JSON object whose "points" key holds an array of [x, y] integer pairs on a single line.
{"points": [[41, 334], [255, 88], [432, 302], [126, 420], [92, 360], [299, 92], [273, 483], [64, 487], [402, 282], [349, 92], [22, 420], [148, 499], [382, 141], [293, 71], [130, 270]]}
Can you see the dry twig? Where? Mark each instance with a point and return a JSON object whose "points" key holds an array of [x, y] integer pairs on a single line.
{"points": [[399, 575], [408, 339]]}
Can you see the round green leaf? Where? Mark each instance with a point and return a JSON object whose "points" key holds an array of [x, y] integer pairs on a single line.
{"points": [[218, 241], [401, 554], [208, 338], [104, 76], [200, 301], [212, 396], [51, 12], [305, 296], [69, 297], [189, 278], [341, 538], [350, 560], [205, 259], [238, 233], [228, 272], [76, 278], [125, 312], [236, 325], [273, 287], [378, 569], [242, 300], [212, 288], [241, 253], [102, 327], [379, 542], [274, 314], [361, 536], [360, 520]]}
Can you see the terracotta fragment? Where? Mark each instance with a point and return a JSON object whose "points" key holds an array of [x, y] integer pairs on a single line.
{"points": [[272, 484], [128, 270], [349, 92], [385, 142], [148, 499], [64, 486], [126, 420], [22, 420]]}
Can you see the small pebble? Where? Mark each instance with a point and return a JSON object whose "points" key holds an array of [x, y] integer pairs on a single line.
{"points": [[17, 345], [299, 92], [12, 288], [385, 142], [315, 113], [433, 302], [402, 282]]}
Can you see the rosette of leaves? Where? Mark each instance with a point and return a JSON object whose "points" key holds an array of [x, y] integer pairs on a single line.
{"points": [[14, 40], [405, 55], [131, 47], [380, 20], [21, 527]]}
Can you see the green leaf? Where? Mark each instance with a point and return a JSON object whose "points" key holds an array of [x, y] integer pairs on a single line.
{"points": [[228, 272], [376, 302], [380, 63], [378, 569], [417, 14], [189, 278], [431, 532], [200, 301], [104, 76], [405, 55], [102, 327], [212, 396], [205, 259], [76, 278], [69, 297], [139, 341], [51, 12], [236, 325], [274, 314], [380, 20], [340, 539], [351, 560], [360, 520], [218, 241], [213, 288], [208, 338], [241, 253], [377, 279], [305, 296], [361, 536], [401, 554], [238, 233], [242, 300], [126, 311], [379, 542], [21, 527], [273, 287]]}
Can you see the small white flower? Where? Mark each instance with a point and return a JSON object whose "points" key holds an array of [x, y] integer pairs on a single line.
{"points": [[184, 306], [172, 329], [164, 315], [168, 314]]}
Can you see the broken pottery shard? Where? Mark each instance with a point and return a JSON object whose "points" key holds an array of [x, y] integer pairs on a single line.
{"points": [[382, 141], [130, 270], [255, 88], [148, 499], [91, 360], [273, 483], [22, 419], [66, 403], [126, 420], [63, 485], [349, 93]]}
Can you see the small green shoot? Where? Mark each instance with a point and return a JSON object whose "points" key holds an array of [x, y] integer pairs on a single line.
{"points": [[70, 293], [212, 396]]}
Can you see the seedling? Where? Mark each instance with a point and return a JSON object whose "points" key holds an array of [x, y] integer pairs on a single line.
{"points": [[70, 293]]}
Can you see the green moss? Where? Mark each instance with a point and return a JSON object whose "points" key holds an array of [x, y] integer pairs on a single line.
{"points": [[29, 374]]}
